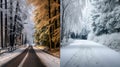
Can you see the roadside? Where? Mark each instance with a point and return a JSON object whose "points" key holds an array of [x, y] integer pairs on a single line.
{"points": [[7, 49], [53, 52], [47, 59]]}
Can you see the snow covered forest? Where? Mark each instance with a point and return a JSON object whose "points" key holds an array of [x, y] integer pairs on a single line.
{"points": [[90, 31], [14, 18], [95, 20]]}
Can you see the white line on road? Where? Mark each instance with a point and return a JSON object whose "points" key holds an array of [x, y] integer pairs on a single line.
{"points": [[22, 62]]}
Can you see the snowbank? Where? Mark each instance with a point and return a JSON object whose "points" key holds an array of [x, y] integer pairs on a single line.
{"points": [[110, 40], [66, 41]]}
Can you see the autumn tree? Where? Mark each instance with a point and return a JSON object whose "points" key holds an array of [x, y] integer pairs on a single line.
{"points": [[47, 22]]}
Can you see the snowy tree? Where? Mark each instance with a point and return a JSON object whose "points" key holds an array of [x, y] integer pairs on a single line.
{"points": [[105, 16], [105, 22], [72, 22]]}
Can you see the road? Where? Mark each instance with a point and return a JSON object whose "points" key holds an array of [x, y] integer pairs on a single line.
{"points": [[84, 53], [27, 58]]}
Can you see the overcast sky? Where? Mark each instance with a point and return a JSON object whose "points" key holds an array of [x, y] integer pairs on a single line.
{"points": [[29, 27]]}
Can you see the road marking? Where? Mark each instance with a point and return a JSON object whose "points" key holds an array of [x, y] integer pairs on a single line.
{"points": [[22, 62]]}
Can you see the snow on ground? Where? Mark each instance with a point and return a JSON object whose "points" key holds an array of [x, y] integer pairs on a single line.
{"points": [[110, 40], [5, 57], [84, 53], [47, 59], [66, 42]]}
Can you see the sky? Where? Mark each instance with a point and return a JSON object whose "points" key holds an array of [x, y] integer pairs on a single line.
{"points": [[29, 23]]}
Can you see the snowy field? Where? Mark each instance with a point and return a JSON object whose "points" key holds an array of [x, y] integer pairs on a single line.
{"points": [[84, 53]]}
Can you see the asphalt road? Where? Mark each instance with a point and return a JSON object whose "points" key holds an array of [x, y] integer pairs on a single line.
{"points": [[31, 59]]}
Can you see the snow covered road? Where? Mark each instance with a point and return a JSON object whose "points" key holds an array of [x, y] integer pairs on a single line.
{"points": [[84, 53]]}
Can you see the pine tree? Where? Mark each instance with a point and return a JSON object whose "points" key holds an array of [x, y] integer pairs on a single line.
{"points": [[105, 16]]}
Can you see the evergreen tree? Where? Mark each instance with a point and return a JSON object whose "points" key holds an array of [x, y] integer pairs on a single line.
{"points": [[105, 16]]}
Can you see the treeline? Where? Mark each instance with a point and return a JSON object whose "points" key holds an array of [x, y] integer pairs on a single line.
{"points": [[47, 22], [105, 17], [12, 23]]}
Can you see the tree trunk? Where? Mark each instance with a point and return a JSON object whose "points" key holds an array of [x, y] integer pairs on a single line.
{"points": [[49, 23]]}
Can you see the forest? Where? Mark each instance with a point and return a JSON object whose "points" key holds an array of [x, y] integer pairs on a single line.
{"points": [[90, 31], [47, 23], [96, 20]]}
